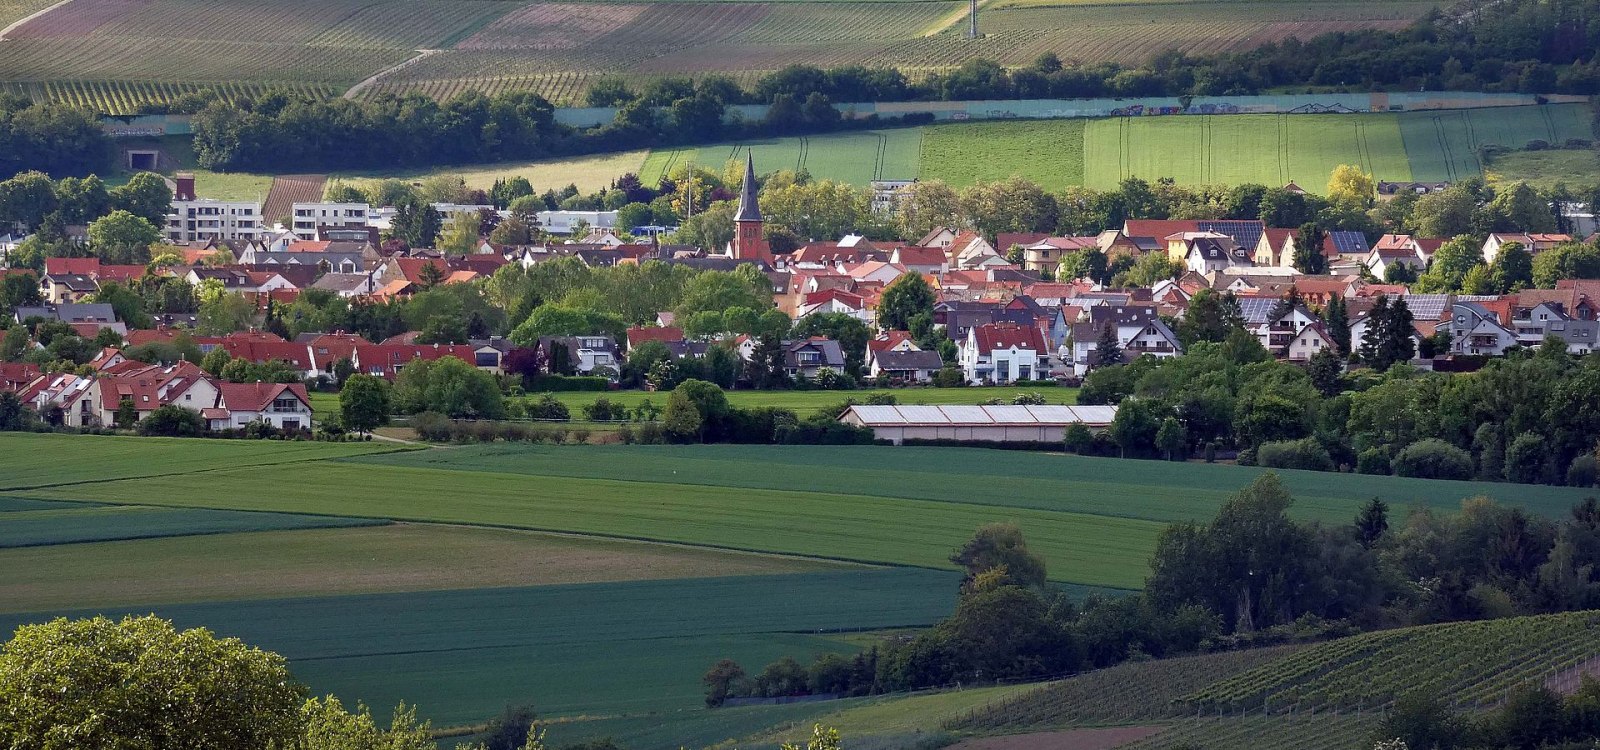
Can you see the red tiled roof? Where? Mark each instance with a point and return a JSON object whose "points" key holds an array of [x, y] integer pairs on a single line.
{"points": [[258, 396], [121, 273], [15, 375], [1004, 240], [67, 266], [992, 336], [270, 351], [888, 340], [915, 255], [639, 334], [149, 386], [848, 298], [1159, 228]]}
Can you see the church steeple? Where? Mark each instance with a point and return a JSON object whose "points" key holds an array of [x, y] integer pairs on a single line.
{"points": [[749, 242], [749, 208]]}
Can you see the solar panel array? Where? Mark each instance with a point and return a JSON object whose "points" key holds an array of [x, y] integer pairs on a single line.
{"points": [[888, 416], [1246, 233], [1349, 242]]}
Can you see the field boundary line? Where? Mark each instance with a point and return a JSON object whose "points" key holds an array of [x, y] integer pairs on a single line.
{"points": [[19, 22], [6, 491], [371, 80]]}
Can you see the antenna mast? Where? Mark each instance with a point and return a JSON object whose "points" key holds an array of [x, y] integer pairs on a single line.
{"points": [[972, 17]]}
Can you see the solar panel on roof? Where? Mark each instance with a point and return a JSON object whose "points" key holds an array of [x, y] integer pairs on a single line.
{"points": [[966, 414], [1009, 414], [1053, 413], [1349, 242], [923, 415], [1246, 233], [1095, 414], [874, 415]]}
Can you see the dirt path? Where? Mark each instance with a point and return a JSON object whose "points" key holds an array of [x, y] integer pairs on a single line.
{"points": [[367, 83], [18, 24], [1101, 738]]}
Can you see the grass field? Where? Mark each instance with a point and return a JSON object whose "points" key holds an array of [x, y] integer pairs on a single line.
{"points": [[1444, 145], [589, 173], [624, 647], [328, 562], [807, 401], [1575, 168]]}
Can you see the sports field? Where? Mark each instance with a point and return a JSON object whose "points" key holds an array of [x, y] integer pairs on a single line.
{"points": [[593, 581]]}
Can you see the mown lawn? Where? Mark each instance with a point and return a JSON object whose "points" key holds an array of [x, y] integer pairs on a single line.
{"points": [[325, 562], [1049, 152]]}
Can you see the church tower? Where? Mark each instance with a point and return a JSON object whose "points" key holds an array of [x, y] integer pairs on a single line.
{"points": [[748, 242]]}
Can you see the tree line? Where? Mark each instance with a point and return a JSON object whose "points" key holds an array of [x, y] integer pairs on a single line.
{"points": [[1227, 393], [1251, 576]]}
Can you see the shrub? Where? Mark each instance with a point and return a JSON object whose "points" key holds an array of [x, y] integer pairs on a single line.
{"points": [[605, 410], [1373, 461], [650, 433], [547, 407], [1211, 452], [1305, 453], [1031, 398], [580, 436], [557, 435], [1079, 440], [1536, 145], [1582, 471], [172, 421], [431, 426], [625, 434], [949, 377], [1432, 458], [1247, 457]]}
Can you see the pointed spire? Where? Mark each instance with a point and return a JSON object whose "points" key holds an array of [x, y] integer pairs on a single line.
{"points": [[749, 210]]}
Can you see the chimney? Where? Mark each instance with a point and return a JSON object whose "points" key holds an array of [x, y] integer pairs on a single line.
{"points": [[185, 189]]}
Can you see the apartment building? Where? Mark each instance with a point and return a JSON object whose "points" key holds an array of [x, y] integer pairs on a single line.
{"points": [[310, 217], [194, 218]]}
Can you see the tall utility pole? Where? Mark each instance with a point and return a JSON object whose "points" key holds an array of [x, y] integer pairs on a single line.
{"points": [[972, 16]]}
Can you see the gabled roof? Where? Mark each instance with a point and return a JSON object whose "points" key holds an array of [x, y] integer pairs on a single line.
{"points": [[909, 360], [639, 334], [1004, 241], [917, 255], [1341, 241], [888, 340], [992, 336], [296, 355], [258, 396]]}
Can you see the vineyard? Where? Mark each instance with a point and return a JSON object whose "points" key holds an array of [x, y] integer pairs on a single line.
{"points": [[558, 49], [1126, 693], [1308, 732], [1470, 664]]}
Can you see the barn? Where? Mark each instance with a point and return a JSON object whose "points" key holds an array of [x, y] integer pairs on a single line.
{"points": [[995, 424]]}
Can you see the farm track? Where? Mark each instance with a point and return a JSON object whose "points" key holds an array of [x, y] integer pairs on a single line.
{"points": [[19, 22], [355, 91]]}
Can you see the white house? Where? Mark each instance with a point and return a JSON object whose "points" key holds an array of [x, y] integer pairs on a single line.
{"points": [[285, 406], [309, 217], [1003, 352], [1474, 329], [1308, 342], [194, 218]]}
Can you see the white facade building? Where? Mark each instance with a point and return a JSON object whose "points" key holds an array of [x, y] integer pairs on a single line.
{"points": [[308, 217]]}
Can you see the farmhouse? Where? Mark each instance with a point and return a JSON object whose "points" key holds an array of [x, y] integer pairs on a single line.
{"points": [[992, 424]]}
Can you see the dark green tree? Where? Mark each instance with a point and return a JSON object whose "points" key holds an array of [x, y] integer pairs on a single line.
{"points": [[1108, 348]]}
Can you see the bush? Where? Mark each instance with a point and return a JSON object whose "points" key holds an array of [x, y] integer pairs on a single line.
{"points": [[1247, 457], [172, 421], [949, 377], [1305, 453], [1433, 459], [605, 410], [1373, 461], [625, 434], [650, 433], [431, 426], [1211, 452], [580, 436], [547, 407], [1536, 145], [1582, 471]]}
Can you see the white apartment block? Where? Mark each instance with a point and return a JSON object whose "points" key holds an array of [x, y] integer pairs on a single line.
{"points": [[195, 218], [308, 217]]}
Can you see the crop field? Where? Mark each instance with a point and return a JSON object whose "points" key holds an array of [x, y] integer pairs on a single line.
{"points": [[328, 562], [1211, 149], [1081, 548], [1546, 169], [1469, 664], [858, 157], [88, 458], [1052, 483], [964, 154], [1444, 145], [98, 523], [625, 647]]}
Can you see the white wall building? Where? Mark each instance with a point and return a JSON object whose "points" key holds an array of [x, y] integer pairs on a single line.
{"points": [[308, 217], [564, 222]]}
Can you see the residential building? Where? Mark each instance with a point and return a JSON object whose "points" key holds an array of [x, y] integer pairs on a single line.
{"points": [[193, 218], [916, 366], [567, 222], [1139, 331], [809, 357], [285, 406], [1534, 243], [309, 219], [1475, 329], [1003, 352]]}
